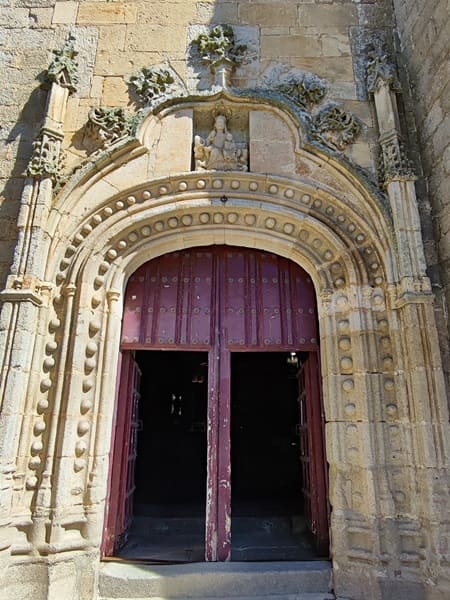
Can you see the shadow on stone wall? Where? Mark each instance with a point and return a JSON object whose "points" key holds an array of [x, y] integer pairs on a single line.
{"points": [[17, 151]]}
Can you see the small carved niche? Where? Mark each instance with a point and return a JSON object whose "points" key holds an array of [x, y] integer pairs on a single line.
{"points": [[220, 139]]}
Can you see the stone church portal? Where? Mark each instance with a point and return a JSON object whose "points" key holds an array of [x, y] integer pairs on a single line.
{"points": [[224, 306], [236, 311]]}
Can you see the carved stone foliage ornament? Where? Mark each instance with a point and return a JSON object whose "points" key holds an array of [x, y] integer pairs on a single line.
{"points": [[330, 125], [219, 45], [156, 83], [335, 127], [380, 68], [306, 92], [394, 164], [219, 152], [63, 68], [47, 159], [107, 125]]}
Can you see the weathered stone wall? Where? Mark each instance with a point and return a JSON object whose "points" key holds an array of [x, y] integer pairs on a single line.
{"points": [[424, 43], [116, 39]]}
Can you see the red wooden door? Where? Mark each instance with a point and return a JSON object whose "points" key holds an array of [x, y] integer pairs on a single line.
{"points": [[220, 299], [119, 508], [312, 455]]}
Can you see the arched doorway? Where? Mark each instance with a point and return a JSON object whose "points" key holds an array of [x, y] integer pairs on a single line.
{"points": [[231, 412]]}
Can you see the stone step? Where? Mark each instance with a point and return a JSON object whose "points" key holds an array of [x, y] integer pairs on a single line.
{"points": [[119, 581], [306, 596]]}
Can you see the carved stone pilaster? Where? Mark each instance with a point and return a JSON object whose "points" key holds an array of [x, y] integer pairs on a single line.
{"points": [[396, 173], [383, 84], [62, 74]]}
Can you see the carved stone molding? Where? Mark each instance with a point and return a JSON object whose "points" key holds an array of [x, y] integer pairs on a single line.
{"points": [[335, 127], [64, 68], [330, 125]]}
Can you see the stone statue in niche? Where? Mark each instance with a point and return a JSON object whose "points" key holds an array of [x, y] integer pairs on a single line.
{"points": [[219, 152]]}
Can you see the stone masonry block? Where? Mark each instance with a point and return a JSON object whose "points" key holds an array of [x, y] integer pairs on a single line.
{"points": [[41, 17], [335, 45], [65, 12], [143, 38], [115, 92], [211, 12], [167, 13], [124, 63], [331, 68], [290, 46], [14, 17], [275, 14], [98, 13], [336, 18]]}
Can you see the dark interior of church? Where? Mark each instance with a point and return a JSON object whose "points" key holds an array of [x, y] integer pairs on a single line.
{"points": [[170, 496]]}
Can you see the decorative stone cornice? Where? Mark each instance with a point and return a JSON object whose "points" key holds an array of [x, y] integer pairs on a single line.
{"points": [[108, 125], [381, 69], [64, 68], [335, 127]]}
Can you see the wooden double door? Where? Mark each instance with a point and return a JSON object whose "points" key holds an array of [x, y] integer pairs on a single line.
{"points": [[220, 300]]}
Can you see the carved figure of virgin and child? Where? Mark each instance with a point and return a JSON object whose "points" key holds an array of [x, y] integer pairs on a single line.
{"points": [[219, 152]]}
